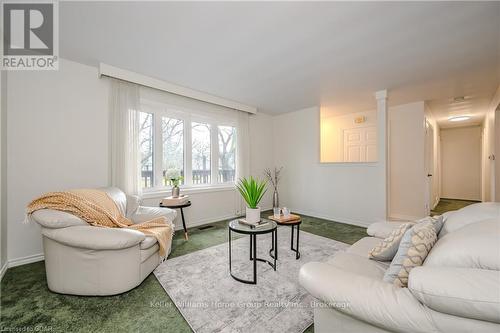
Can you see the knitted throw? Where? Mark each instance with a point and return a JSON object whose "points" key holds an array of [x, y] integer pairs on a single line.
{"points": [[98, 209]]}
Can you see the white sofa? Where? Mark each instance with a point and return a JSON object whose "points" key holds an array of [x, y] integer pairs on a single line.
{"points": [[85, 260], [456, 290]]}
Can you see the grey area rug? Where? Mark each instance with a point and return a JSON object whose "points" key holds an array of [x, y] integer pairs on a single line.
{"points": [[212, 301]]}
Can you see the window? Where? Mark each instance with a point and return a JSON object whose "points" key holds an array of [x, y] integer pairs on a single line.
{"points": [[173, 146], [227, 153], [201, 153], [201, 149], [146, 148]]}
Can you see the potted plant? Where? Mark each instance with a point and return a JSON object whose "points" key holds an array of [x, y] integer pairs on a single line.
{"points": [[174, 177], [252, 190]]}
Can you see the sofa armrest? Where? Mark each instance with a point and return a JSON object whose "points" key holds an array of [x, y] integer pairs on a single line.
{"points": [[144, 213], [383, 229], [50, 218], [95, 238], [370, 300]]}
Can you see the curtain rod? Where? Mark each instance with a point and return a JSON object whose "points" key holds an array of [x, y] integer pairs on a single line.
{"points": [[147, 81]]}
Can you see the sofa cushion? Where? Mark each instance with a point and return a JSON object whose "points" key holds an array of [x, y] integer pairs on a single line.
{"points": [[386, 249], [473, 246], [413, 249], [50, 218], [354, 263], [464, 292], [470, 214]]}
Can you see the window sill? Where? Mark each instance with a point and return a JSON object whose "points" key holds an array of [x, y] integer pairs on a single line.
{"points": [[160, 193]]}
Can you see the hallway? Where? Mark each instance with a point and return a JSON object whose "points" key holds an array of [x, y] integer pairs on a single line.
{"points": [[446, 205]]}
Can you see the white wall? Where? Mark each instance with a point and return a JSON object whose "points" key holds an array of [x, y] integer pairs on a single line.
{"points": [[58, 139], [461, 162], [345, 192], [407, 166]]}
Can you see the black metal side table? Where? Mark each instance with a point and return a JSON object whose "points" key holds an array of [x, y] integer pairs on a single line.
{"points": [[187, 204], [271, 227], [295, 224]]}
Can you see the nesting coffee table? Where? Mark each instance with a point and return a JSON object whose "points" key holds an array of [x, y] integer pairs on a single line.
{"points": [[270, 227], [294, 221]]}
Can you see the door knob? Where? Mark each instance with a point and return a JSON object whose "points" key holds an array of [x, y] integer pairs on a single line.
{"points": [[429, 175]]}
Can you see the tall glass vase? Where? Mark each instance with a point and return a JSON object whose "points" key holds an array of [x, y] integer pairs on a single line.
{"points": [[276, 199]]}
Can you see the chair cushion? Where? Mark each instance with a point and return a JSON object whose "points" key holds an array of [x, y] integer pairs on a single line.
{"points": [[146, 253], [475, 245], [413, 249], [470, 214], [386, 249], [148, 242], [464, 292], [144, 213]]}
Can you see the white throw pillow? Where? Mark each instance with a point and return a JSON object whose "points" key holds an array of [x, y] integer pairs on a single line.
{"points": [[413, 249], [387, 248]]}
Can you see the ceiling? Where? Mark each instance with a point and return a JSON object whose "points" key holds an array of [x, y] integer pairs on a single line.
{"points": [[284, 56]]}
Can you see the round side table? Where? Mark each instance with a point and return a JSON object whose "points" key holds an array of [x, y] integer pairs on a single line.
{"points": [[240, 228], [180, 207], [295, 224]]}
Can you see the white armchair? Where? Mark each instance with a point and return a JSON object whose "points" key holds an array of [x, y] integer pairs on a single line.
{"points": [[85, 260]]}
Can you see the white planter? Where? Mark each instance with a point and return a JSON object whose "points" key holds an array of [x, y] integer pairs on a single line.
{"points": [[253, 215]]}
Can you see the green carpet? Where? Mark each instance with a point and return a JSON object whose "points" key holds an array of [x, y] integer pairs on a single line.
{"points": [[26, 303], [446, 205]]}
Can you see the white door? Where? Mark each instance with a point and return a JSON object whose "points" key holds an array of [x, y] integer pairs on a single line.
{"points": [[429, 166], [360, 144]]}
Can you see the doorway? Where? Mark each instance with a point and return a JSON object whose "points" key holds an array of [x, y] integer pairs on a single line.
{"points": [[461, 150]]}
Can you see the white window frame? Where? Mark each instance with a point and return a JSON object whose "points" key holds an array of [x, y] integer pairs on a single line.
{"points": [[160, 110]]}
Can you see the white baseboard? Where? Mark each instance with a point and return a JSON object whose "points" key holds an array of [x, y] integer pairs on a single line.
{"points": [[345, 220], [3, 270], [25, 260], [20, 261]]}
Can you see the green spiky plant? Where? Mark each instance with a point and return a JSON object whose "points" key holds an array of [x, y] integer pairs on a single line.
{"points": [[252, 190]]}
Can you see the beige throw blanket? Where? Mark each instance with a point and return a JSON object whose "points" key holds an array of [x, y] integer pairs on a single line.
{"points": [[98, 209]]}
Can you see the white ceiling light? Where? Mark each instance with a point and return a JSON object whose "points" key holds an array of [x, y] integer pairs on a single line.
{"points": [[458, 118]]}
